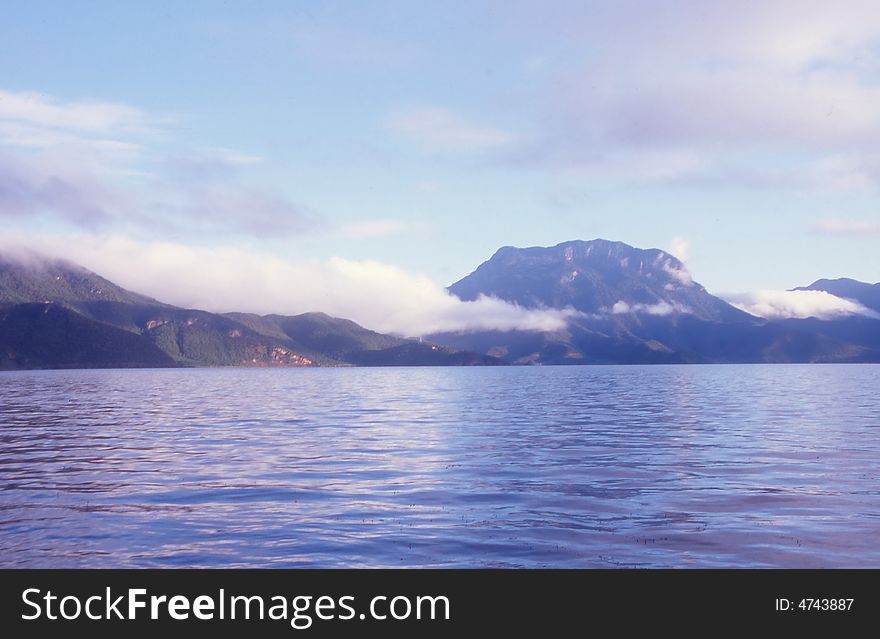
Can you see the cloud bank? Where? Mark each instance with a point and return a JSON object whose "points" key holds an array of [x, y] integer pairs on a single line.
{"points": [[798, 305], [753, 94], [376, 295]]}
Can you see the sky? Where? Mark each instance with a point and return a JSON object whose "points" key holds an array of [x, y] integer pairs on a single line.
{"points": [[293, 156]]}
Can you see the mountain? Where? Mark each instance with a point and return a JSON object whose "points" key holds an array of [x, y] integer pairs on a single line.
{"points": [[594, 277], [55, 314], [332, 340], [867, 295], [319, 335], [640, 306], [30, 277], [632, 306]]}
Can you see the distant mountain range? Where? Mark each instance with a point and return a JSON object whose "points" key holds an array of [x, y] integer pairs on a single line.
{"points": [[642, 306], [55, 314], [631, 306]]}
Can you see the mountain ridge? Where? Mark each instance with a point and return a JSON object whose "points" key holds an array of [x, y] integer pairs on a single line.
{"points": [[634, 306], [31, 277], [868, 295], [52, 296], [639, 306]]}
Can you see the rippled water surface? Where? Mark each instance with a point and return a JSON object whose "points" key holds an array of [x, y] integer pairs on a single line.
{"points": [[445, 467]]}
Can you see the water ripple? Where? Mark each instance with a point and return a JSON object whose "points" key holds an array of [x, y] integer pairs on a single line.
{"points": [[497, 467]]}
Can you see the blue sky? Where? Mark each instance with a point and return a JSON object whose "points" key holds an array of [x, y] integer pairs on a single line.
{"points": [[419, 137]]}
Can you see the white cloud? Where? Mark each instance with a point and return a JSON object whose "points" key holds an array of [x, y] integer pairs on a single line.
{"points": [[377, 295], [717, 93], [660, 308], [680, 248], [441, 129], [674, 268], [749, 107], [797, 304], [84, 116], [107, 137], [65, 159], [777, 33], [679, 273], [201, 199]]}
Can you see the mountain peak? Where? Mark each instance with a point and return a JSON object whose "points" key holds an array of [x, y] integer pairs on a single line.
{"points": [[594, 276], [574, 249]]}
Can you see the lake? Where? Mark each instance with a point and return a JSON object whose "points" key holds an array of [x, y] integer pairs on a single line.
{"points": [[583, 466]]}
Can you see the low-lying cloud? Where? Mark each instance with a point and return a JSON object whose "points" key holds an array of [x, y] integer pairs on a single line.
{"points": [[798, 305], [660, 308], [374, 294]]}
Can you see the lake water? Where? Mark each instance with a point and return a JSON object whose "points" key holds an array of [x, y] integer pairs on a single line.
{"points": [[664, 466]]}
